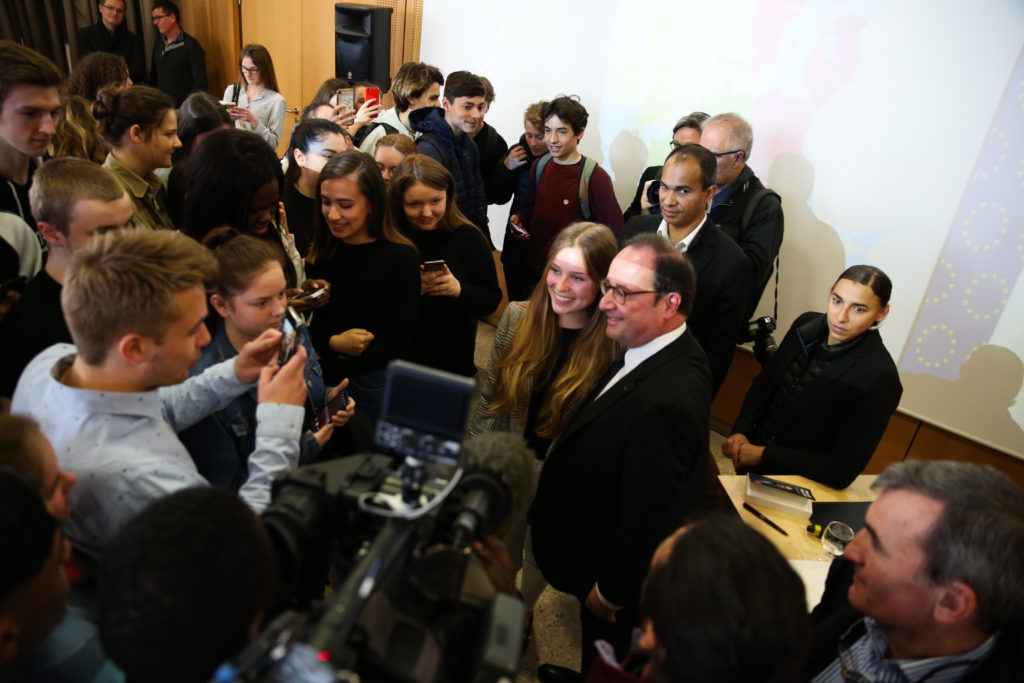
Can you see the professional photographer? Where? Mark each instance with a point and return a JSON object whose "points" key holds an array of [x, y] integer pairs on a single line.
{"points": [[418, 570]]}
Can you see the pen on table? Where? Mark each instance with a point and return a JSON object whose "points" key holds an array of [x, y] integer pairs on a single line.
{"points": [[764, 519]]}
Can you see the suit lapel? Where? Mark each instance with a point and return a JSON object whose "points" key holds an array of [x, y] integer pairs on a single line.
{"points": [[700, 252], [606, 402]]}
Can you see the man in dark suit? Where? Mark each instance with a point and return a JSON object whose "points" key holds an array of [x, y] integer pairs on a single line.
{"points": [[109, 34], [630, 464], [723, 277]]}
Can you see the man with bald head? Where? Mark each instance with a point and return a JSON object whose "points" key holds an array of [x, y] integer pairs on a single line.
{"points": [[631, 463]]}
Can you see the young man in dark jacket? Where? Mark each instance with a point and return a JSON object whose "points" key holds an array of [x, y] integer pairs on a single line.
{"points": [[446, 139]]}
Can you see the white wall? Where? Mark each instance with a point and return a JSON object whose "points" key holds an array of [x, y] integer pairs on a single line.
{"points": [[873, 119]]}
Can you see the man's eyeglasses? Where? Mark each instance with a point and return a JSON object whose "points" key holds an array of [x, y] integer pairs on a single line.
{"points": [[158, 17], [114, 10], [725, 154], [251, 69], [620, 294]]}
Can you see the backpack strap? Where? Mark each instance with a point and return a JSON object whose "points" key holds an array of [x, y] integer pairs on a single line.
{"points": [[748, 216], [589, 165], [538, 171], [588, 170], [388, 128]]}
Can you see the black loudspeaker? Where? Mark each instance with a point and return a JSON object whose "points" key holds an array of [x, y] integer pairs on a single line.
{"points": [[362, 44]]}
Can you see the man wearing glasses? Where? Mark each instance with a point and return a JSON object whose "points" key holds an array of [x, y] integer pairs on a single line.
{"points": [[110, 34], [685, 190], [931, 588], [179, 62], [631, 463], [758, 230]]}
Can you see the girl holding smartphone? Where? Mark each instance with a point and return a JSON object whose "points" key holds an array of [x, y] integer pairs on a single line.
{"points": [[373, 272]]}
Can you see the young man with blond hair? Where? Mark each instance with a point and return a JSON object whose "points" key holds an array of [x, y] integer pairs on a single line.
{"points": [[112, 404], [72, 200]]}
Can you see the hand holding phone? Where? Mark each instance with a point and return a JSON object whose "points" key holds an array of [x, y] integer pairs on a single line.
{"points": [[373, 95], [339, 403]]}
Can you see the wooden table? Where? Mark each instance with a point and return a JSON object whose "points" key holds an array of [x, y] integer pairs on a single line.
{"points": [[799, 545]]}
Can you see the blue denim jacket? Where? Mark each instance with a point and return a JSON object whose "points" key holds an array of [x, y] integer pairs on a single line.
{"points": [[220, 444]]}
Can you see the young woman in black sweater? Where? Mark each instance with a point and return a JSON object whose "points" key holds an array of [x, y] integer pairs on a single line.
{"points": [[374, 277], [458, 281]]}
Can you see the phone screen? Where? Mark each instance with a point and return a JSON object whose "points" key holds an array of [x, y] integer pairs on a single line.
{"points": [[289, 338]]}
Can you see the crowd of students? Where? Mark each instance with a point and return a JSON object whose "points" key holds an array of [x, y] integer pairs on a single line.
{"points": [[373, 229]]}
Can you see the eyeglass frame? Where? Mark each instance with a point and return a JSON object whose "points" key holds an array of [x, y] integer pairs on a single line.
{"points": [[725, 154], [158, 17], [113, 10], [620, 294], [250, 69]]}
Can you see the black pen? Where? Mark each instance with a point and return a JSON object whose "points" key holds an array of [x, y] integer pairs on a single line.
{"points": [[764, 519]]}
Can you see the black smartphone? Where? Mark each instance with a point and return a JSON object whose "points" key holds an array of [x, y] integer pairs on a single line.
{"points": [[339, 402], [289, 336], [433, 266], [311, 296]]}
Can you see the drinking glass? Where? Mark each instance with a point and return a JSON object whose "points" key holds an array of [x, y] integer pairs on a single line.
{"points": [[834, 539]]}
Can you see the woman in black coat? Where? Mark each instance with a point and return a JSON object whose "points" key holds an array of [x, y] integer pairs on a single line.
{"points": [[820, 406]]}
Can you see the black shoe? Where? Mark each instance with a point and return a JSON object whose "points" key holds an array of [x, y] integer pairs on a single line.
{"points": [[552, 673]]}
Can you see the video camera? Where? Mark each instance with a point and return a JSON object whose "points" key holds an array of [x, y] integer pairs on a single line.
{"points": [[411, 601], [759, 331]]}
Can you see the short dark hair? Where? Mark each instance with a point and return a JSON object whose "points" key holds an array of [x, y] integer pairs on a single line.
{"points": [[20, 65], [178, 593], [569, 110], [977, 538], [872, 277], [726, 606], [462, 84], [673, 272], [488, 90], [705, 161], [26, 532], [168, 7]]}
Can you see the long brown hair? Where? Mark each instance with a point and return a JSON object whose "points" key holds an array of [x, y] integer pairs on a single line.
{"points": [[535, 348], [260, 57], [419, 168], [362, 169]]}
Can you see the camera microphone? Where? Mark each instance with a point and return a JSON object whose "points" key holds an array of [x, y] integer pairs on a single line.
{"points": [[499, 480]]}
